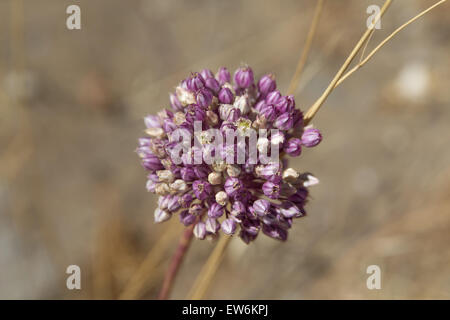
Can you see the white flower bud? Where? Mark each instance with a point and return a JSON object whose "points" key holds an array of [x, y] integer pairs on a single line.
{"points": [[161, 215], [215, 178], [242, 104], [179, 185], [158, 133], [233, 171], [309, 180], [221, 198], [224, 111], [162, 189], [179, 118], [184, 96], [165, 176]]}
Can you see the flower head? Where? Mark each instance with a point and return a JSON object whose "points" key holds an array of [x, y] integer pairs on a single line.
{"points": [[205, 182]]}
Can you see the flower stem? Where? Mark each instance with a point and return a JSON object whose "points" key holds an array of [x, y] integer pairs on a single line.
{"points": [[175, 263]]}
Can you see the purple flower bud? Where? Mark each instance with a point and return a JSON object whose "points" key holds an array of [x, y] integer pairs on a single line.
{"points": [[163, 201], [251, 226], [237, 208], [188, 174], [267, 171], [186, 200], [169, 125], [196, 209], [232, 186], [202, 189], [260, 105], [243, 77], [195, 113], [228, 226], [175, 103], [268, 112], [200, 230], [246, 236], [203, 97], [267, 84], [234, 114], [282, 105], [215, 211], [186, 218], [195, 82], [284, 122], [174, 203], [152, 121], [145, 142], [223, 76], [226, 96], [151, 162], [212, 225], [206, 74], [293, 147], [275, 232], [161, 215], [212, 84], [289, 210], [271, 189], [273, 97], [201, 172], [311, 137], [261, 207], [151, 186], [299, 198]]}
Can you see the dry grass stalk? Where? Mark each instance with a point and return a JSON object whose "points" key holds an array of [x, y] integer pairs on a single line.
{"points": [[340, 76], [316, 106], [209, 269], [372, 53], [304, 56], [144, 275]]}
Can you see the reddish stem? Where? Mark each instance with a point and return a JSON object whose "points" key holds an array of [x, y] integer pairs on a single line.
{"points": [[175, 263]]}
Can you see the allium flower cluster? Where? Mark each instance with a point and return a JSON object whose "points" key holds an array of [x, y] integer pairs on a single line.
{"points": [[245, 198]]}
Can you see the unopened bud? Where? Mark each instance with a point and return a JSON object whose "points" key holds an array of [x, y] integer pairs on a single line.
{"points": [[184, 96], [242, 104], [165, 176], [233, 170], [162, 189], [178, 185], [221, 198], [161, 215], [200, 230], [215, 178], [158, 133]]}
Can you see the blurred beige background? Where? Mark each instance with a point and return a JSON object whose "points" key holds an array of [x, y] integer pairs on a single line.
{"points": [[72, 190]]}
